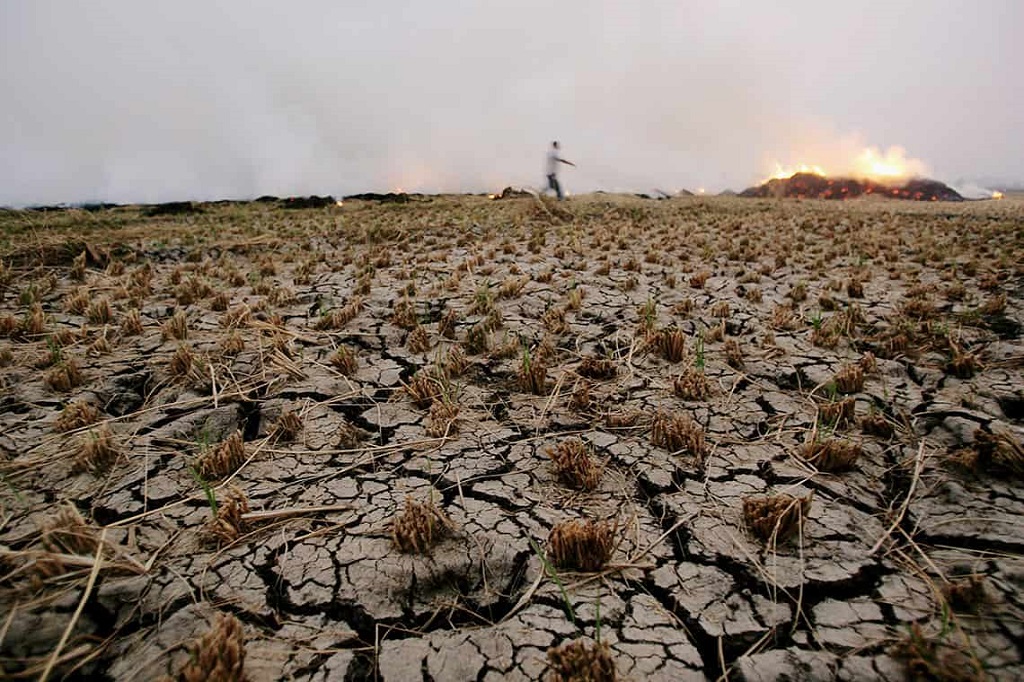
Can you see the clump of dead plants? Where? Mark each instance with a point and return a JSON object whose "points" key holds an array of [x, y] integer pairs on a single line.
{"points": [[775, 518], [344, 360], [219, 655], [733, 353], [532, 374], [838, 413], [678, 433], [961, 364], [992, 453], [581, 661], [582, 545], [420, 526], [418, 340], [67, 532], [425, 387], [936, 658], [671, 344], [831, 455], [231, 344], [224, 459], [131, 323], [875, 424], [581, 399], [287, 427], [574, 464], [849, 379], [97, 451], [596, 368], [623, 419], [64, 376], [692, 384], [181, 361], [443, 419], [966, 594], [404, 314], [228, 524], [176, 327], [76, 415]]}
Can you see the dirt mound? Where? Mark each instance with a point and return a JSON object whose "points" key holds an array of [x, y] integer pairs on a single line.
{"points": [[812, 186]]}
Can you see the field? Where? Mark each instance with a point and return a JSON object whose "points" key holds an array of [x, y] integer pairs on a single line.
{"points": [[459, 438]]}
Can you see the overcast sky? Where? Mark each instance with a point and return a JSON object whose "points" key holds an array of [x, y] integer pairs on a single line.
{"points": [[138, 101]]}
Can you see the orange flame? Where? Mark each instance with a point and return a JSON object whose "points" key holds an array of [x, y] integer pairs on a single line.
{"points": [[870, 164]]}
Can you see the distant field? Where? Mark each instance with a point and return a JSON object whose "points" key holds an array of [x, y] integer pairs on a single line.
{"points": [[361, 441]]}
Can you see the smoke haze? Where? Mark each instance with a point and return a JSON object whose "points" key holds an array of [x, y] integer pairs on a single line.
{"points": [[128, 102]]}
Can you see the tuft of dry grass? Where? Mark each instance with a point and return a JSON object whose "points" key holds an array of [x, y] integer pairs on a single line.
{"points": [[775, 518], [966, 594], [454, 363], [875, 424], [219, 655], [581, 661], [692, 384], [67, 532], [596, 368], [238, 316], [76, 415], [830, 455], [838, 413], [849, 379], [99, 311], [181, 361], [999, 452], [443, 419], [176, 327], [581, 399], [733, 354], [97, 451], [131, 323], [64, 377], [420, 526], [228, 525], [404, 314], [671, 344], [678, 434], [287, 427], [344, 360], [582, 545], [963, 365], [532, 374], [622, 420], [574, 464], [231, 344], [446, 325], [418, 340], [935, 659], [223, 460], [424, 388]]}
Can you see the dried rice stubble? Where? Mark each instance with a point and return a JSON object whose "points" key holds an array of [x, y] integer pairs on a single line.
{"points": [[219, 655], [420, 526], [584, 546], [775, 518], [581, 661], [574, 464]]}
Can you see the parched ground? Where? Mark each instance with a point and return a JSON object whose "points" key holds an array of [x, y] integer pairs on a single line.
{"points": [[349, 442]]}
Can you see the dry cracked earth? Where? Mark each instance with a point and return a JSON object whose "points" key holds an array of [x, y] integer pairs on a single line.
{"points": [[350, 442]]}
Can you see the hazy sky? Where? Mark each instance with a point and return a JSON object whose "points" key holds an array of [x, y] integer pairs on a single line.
{"points": [[142, 101]]}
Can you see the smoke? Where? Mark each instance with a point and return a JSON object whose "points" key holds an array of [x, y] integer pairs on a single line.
{"points": [[125, 101]]}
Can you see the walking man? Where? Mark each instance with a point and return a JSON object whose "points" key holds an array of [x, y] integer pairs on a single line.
{"points": [[553, 160]]}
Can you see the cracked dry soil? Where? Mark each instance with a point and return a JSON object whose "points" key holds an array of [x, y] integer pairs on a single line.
{"points": [[210, 422]]}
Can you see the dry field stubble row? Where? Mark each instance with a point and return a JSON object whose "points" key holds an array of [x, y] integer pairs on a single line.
{"points": [[507, 439]]}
